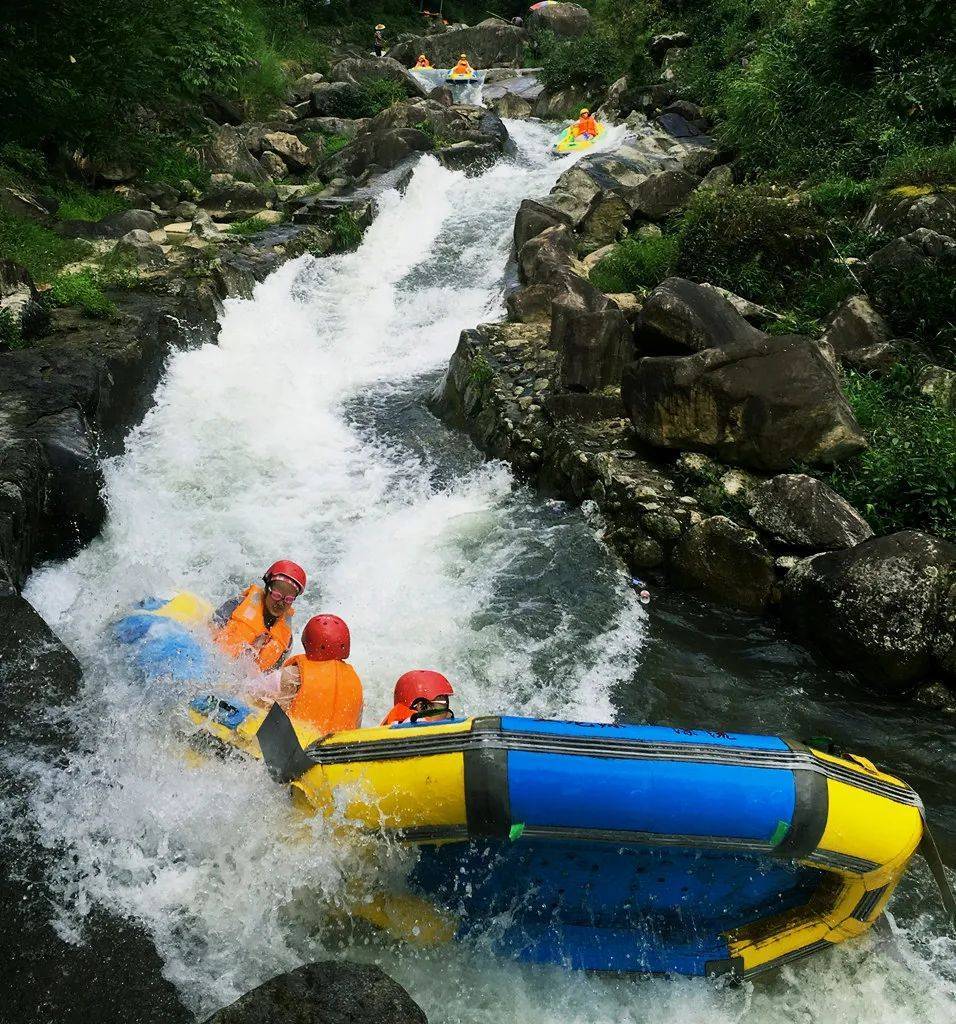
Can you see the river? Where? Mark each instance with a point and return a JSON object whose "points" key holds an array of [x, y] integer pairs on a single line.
{"points": [[304, 433]]}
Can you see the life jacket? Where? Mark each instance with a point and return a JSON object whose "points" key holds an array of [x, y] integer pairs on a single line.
{"points": [[463, 68], [329, 695], [246, 631], [586, 126], [399, 713]]}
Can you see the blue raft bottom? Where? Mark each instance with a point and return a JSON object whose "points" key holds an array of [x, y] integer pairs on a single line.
{"points": [[601, 907]]}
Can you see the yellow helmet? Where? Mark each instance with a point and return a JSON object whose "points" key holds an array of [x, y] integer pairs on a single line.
{"points": [[585, 111], [422, 56], [378, 28], [464, 56]]}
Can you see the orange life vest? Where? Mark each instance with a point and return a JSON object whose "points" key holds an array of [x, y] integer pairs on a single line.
{"points": [[463, 68], [399, 713], [246, 631], [329, 695], [586, 126]]}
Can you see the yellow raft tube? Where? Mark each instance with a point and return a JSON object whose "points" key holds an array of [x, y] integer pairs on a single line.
{"points": [[649, 849]]}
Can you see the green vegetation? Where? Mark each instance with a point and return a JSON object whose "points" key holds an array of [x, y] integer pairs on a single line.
{"points": [[250, 226], [907, 477], [920, 303], [10, 336], [480, 370], [637, 262], [37, 248], [82, 289], [345, 233], [333, 143], [81, 204]]}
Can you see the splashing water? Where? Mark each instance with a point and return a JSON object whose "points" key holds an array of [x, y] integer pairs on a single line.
{"points": [[303, 434]]}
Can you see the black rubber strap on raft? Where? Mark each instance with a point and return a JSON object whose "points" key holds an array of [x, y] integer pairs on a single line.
{"points": [[281, 750], [810, 811], [486, 785]]}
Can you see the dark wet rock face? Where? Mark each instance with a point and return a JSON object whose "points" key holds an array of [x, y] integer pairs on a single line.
{"points": [[726, 562], [329, 992], [764, 403], [885, 609], [802, 512], [491, 43], [592, 336]]}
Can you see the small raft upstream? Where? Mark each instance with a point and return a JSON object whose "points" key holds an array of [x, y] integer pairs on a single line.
{"points": [[625, 848]]}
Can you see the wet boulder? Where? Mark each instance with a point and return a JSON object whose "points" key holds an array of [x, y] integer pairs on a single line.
{"points": [[535, 216], [885, 609], [329, 992], [548, 253], [567, 21], [471, 157], [802, 512], [764, 403], [592, 337], [726, 562], [376, 152], [490, 43], [680, 316], [114, 225]]}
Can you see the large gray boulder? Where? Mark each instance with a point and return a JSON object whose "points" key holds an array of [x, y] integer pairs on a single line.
{"points": [[225, 153], [140, 249], [885, 609], [294, 153], [725, 562], [490, 43], [535, 216], [358, 70], [802, 512], [548, 253], [680, 316], [567, 21], [375, 152], [236, 200], [114, 225], [857, 330], [899, 211], [590, 333], [765, 403], [329, 992]]}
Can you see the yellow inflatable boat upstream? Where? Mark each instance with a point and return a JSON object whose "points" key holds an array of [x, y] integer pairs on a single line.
{"points": [[645, 848]]}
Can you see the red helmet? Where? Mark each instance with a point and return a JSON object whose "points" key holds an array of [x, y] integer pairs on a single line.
{"points": [[326, 638], [421, 683], [288, 570]]}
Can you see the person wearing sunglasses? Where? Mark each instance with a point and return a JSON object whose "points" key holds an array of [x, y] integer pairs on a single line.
{"points": [[256, 624], [421, 696]]}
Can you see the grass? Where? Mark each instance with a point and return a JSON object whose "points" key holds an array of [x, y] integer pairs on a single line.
{"points": [[251, 226], [637, 262], [906, 479], [332, 144], [927, 165], [345, 232], [37, 248], [82, 289], [77, 203], [10, 336]]}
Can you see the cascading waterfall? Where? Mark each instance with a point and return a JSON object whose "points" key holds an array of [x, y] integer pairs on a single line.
{"points": [[303, 434]]}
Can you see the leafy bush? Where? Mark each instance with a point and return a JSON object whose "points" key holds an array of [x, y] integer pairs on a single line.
{"points": [[907, 477], [637, 262], [37, 248], [333, 143], [81, 289], [842, 84], [590, 62], [168, 162], [757, 244]]}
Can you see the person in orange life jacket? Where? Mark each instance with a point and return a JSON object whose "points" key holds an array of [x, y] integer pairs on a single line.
{"points": [[463, 67], [421, 696], [319, 687], [585, 126], [255, 624]]}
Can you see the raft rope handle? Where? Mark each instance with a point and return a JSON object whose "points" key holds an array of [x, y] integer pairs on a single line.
{"points": [[930, 852]]}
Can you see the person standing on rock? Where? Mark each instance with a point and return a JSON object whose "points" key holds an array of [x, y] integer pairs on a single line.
{"points": [[255, 624], [379, 40]]}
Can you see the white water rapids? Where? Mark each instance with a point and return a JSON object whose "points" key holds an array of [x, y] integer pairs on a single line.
{"points": [[303, 434]]}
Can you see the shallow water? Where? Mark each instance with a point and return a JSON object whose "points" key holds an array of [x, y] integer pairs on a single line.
{"points": [[304, 434]]}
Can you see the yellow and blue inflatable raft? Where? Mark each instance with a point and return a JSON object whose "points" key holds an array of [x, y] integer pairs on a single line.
{"points": [[568, 142], [624, 848]]}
